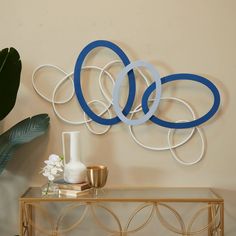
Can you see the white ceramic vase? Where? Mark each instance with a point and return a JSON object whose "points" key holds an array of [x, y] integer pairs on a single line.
{"points": [[74, 169]]}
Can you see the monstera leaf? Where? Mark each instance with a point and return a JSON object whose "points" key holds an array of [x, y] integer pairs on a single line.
{"points": [[23, 132], [10, 69]]}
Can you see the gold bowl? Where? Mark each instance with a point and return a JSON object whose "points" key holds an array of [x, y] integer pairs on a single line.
{"points": [[97, 175]]}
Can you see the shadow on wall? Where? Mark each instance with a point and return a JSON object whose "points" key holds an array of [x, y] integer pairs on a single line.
{"points": [[230, 209], [11, 189], [28, 158], [15, 180], [225, 98]]}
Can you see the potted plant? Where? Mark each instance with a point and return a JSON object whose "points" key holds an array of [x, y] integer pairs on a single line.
{"points": [[27, 129]]}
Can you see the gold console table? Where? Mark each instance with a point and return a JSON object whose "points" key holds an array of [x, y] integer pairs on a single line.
{"points": [[153, 200]]}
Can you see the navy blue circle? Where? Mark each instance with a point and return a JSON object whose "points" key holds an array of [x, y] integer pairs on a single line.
{"points": [[78, 87], [189, 124]]}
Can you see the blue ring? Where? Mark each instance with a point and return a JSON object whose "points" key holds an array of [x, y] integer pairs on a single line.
{"points": [[78, 87], [183, 125]]}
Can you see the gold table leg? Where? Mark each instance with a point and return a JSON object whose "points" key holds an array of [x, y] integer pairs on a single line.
{"points": [[218, 227], [222, 219], [21, 213], [209, 219], [25, 214], [30, 228]]}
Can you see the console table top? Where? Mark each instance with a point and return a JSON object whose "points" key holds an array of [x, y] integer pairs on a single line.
{"points": [[131, 194]]}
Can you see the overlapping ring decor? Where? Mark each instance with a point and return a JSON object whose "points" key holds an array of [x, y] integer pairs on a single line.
{"points": [[121, 115]]}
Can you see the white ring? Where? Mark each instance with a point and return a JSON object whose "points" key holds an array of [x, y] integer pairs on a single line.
{"points": [[87, 123], [67, 76], [100, 77], [179, 159], [167, 147], [77, 122], [107, 66]]}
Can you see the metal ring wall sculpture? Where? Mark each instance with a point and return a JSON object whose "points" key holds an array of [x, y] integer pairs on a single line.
{"points": [[122, 113]]}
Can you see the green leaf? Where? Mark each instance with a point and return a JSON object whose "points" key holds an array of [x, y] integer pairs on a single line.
{"points": [[10, 69], [23, 132]]}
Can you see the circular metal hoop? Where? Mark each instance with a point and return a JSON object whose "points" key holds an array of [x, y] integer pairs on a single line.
{"points": [[190, 124], [78, 87]]}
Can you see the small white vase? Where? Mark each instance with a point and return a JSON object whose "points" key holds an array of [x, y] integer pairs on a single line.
{"points": [[74, 169]]}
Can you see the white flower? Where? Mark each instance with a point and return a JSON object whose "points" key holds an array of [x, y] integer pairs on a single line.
{"points": [[54, 157], [54, 160], [53, 167], [51, 177]]}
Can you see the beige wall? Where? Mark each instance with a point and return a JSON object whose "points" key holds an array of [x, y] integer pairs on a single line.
{"points": [[176, 36]]}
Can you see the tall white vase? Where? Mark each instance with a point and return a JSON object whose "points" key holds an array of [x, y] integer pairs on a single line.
{"points": [[74, 169]]}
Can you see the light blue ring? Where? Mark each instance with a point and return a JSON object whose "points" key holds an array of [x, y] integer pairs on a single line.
{"points": [[116, 92]]}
